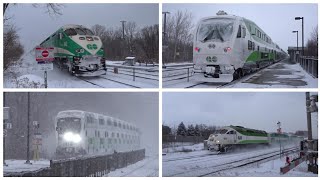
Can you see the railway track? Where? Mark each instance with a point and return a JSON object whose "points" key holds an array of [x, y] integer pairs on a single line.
{"points": [[237, 80], [231, 164], [98, 85]]}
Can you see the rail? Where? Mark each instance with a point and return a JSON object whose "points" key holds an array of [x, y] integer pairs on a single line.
{"points": [[309, 64], [95, 166], [148, 72]]}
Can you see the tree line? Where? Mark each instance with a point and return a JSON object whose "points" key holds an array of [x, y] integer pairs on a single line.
{"points": [[191, 130], [142, 43]]}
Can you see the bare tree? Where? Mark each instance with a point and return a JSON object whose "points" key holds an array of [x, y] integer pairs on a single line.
{"points": [[179, 36], [130, 30], [12, 48], [51, 8], [312, 44]]}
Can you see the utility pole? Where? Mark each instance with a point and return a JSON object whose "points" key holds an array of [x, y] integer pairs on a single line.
{"points": [[279, 132], [4, 136], [308, 103], [123, 28], [28, 132], [165, 31]]}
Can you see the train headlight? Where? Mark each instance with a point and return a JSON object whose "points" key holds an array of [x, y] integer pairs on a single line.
{"points": [[217, 141], [68, 136], [76, 138]]}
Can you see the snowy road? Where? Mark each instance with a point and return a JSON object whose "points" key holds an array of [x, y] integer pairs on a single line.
{"points": [[205, 163]]}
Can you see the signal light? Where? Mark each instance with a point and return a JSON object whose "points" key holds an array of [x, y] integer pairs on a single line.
{"points": [[227, 49], [197, 49]]}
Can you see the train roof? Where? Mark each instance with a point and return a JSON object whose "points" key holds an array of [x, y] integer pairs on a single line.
{"points": [[68, 26], [79, 113], [248, 131]]}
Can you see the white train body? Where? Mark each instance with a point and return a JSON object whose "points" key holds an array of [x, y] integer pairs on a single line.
{"points": [[232, 136], [81, 132], [226, 46]]}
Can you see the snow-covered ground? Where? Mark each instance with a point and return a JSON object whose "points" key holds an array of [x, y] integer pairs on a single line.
{"points": [[148, 167], [269, 169], [279, 75], [199, 162], [25, 75], [20, 165]]}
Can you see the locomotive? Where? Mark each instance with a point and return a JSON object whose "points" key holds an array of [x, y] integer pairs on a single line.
{"points": [[77, 49], [226, 47], [82, 133], [230, 137]]}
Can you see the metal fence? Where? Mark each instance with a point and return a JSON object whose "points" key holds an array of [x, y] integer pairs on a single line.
{"points": [[177, 71], [172, 138], [309, 64], [150, 72], [96, 166]]}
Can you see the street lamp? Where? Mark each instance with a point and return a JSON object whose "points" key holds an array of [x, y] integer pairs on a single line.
{"points": [[301, 18], [297, 39]]}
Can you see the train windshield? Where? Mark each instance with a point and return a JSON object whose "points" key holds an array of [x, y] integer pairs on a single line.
{"points": [[218, 30], [70, 32], [221, 131], [88, 32], [69, 124], [80, 31]]}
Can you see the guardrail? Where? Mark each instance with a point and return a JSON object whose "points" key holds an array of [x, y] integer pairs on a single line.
{"points": [[178, 68], [149, 71], [309, 64], [95, 166]]}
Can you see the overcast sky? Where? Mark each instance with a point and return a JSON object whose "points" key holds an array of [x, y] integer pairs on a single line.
{"points": [[277, 20], [253, 110], [35, 25]]}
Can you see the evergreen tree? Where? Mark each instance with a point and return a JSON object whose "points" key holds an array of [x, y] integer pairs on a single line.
{"points": [[191, 130], [197, 130], [182, 131]]}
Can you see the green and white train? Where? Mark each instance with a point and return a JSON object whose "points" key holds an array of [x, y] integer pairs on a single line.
{"points": [[226, 47], [81, 133], [77, 49], [230, 137]]}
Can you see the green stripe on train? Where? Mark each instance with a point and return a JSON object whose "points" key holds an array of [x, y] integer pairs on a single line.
{"points": [[256, 56], [253, 141]]}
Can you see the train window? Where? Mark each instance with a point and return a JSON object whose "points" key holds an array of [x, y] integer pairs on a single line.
{"points": [[115, 123], [101, 141], [80, 31], [90, 118], [112, 135], [98, 133], [70, 32], [253, 46], [109, 122], [117, 135], [101, 121], [88, 31], [258, 48], [243, 32], [249, 45], [239, 32]]}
